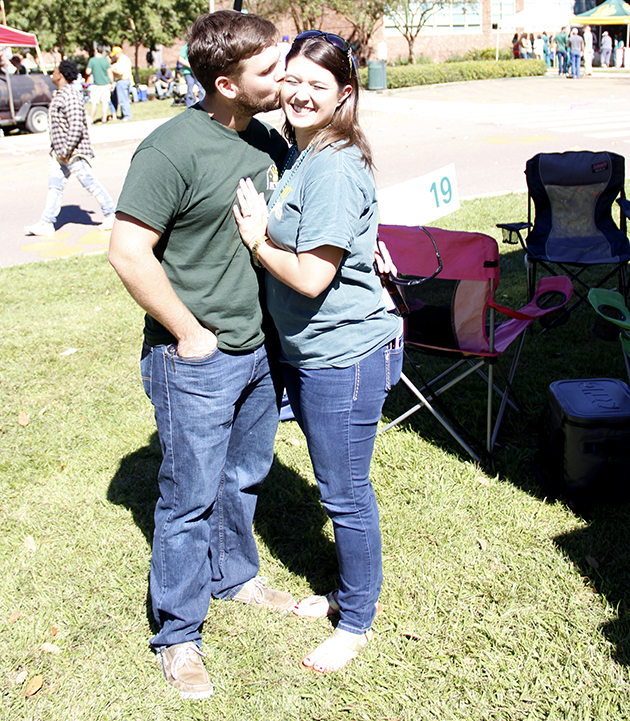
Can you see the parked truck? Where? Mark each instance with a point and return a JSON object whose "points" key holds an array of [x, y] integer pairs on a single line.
{"points": [[24, 99]]}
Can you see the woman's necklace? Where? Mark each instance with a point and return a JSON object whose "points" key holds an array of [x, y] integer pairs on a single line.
{"points": [[300, 159]]}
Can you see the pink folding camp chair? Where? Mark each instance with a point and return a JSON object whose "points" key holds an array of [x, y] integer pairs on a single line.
{"points": [[447, 282]]}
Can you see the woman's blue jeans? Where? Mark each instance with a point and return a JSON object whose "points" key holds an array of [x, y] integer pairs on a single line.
{"points": [[338, 409], [217, 418]]}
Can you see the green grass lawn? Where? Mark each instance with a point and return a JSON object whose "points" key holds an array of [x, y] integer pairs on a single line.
{"points": [[499, 604], [149, 110]]}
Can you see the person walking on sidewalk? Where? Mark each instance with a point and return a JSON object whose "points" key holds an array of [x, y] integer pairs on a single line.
{"points": [[70, 152], [176, 247]]}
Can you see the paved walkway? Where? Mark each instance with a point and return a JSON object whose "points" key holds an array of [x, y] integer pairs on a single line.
{"points": [[488, 129]]}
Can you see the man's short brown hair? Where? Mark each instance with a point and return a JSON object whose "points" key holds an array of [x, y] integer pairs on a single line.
{"points": [[218, 42]]}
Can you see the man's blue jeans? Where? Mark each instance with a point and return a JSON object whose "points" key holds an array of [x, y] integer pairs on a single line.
{"points": [[190, 95], [562, 62], [123, 88], [575, 64], [217, 418], [338, 409], [58, 174]]}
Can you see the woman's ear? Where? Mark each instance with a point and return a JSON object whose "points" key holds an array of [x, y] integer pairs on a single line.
{"points": [[345, 93]]}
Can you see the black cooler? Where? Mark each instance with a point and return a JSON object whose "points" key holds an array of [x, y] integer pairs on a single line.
{"points": [[587, 453]]}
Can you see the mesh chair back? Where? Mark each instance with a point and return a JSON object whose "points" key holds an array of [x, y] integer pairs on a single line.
{"points": [[573, 194], [448, 312]]}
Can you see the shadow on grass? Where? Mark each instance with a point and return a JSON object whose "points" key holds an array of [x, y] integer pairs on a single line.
{"points": [[601, 553], [289, 516], [290, 520], [135, 485]]}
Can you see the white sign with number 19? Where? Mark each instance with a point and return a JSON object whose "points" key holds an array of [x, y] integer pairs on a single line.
{"points": [[420, 200]]}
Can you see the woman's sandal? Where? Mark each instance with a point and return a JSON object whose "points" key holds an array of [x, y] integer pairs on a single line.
{"points": [[317, 606], [322, 606], [336, 651]]}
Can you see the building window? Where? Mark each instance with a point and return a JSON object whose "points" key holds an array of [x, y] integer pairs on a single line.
{"points": [[456, 18], [502, 9]]}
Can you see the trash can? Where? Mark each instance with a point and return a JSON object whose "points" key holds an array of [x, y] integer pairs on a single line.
{"points": [[377, 78], [142, 93]]}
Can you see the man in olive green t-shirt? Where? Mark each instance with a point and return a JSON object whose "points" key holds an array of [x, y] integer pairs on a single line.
{"points": [[176, 247], [102, 85], [561, 51]]}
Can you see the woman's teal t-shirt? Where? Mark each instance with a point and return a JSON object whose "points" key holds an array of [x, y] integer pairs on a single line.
{"points": [[329, 199]]}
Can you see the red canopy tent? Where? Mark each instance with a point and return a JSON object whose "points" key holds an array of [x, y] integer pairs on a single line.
{"points": [[9, 36], [17, 38]]}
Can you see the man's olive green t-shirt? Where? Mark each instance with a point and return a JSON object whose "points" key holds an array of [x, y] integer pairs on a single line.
{"points": [[99, 68], [182, 182]]}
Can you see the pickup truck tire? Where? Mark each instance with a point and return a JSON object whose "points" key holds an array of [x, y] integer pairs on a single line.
{"points": [[37, 120]]}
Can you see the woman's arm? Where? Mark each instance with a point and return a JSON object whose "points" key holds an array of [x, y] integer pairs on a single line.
{"points": [[308, 273]]}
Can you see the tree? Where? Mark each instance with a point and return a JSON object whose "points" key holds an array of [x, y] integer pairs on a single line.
{"points": [[363, 15], [410, 16], [54, 21], [306, 14], [68, 24], [153, 22]]}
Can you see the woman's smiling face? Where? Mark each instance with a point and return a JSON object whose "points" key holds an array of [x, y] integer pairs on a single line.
{"points": [[309, 97]]}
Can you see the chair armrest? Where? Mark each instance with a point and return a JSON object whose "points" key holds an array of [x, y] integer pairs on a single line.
{"points": [[610, 305], [509, 229], [624, 204], [552, 293]]}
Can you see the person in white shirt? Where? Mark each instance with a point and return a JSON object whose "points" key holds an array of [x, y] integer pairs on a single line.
{"points": [[589, 51]]}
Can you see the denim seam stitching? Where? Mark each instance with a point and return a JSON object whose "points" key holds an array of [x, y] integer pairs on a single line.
{"points": [[172, 471]]}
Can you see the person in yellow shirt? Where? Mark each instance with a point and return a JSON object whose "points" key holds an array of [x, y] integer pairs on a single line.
{"points": [[121, 69]]}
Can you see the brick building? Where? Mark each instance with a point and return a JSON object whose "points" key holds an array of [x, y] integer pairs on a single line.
{"points": [[451, 31]]}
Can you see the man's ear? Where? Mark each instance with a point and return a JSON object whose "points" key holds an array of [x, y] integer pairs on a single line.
{"points": [[226, 87]]}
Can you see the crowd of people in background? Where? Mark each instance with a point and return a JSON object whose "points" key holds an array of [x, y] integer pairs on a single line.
{"points": [[566, 51]]}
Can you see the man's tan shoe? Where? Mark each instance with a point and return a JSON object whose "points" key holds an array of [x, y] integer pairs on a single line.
{"points": [[184, 669], [255, 593]]}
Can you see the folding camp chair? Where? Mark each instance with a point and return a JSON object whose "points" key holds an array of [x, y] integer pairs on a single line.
{"points": [[612, 307], [573, 228], [452, 315]]}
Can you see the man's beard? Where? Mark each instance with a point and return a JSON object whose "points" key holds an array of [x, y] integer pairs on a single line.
{"points": [[247, 105]]}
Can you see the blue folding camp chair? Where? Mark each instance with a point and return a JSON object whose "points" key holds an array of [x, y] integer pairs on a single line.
{"points": [[573, 229]]}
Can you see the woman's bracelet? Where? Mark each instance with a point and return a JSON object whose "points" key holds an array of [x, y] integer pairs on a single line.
{"points": [[254, 250]]}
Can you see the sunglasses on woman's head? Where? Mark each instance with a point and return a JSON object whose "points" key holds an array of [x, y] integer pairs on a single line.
{"points": [[333, 39]]}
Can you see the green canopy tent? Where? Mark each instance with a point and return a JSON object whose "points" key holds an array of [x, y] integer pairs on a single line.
{"points": [[611, 12]]}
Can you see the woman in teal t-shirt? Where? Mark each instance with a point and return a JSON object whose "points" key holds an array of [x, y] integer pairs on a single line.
{"points": [[341, 348]]}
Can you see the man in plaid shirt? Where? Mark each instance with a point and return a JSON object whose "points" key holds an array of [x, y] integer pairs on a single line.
{"points": [[70, 152]]}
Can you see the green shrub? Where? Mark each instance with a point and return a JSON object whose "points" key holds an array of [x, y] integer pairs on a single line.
{"points": [[478, 54], [410, 75], [143, 75], [418, 60]]}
